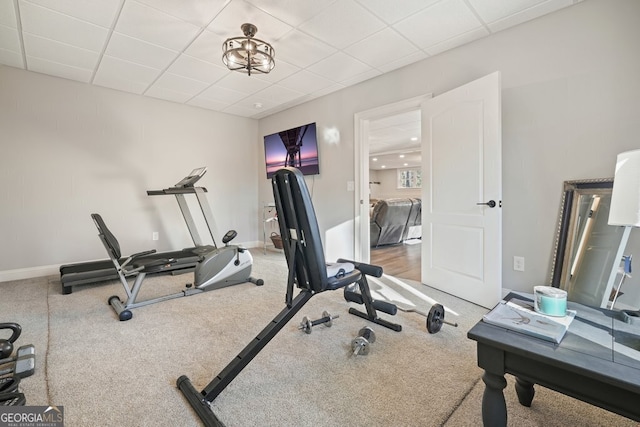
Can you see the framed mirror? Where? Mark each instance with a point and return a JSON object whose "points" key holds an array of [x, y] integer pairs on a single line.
{"points": [[586, 245]]}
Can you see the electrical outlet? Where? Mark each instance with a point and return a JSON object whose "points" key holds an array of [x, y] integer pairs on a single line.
{"points": [[518, 263], [155, 235]]}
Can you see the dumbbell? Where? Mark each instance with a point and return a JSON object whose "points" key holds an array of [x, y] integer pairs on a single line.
{"points": [[326, 319], [6, 345], [360, 344]]}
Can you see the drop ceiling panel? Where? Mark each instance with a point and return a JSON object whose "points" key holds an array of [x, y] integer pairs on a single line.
{"points": [[438, 23], [179, 84], [63, 28], [304, 80], [336, 24], [381, 47], [238, 110], [143, 22], [124, 75], [393, 11], [242, 83], [409, 59], [293, 12], [168, 94], [194, 68], [228, 22], [279, 94], [99, 12], [43, 66], [528, 14], [366, 75], [456, 41], [171, 49], [301, 49], [9, 39], [139, 51], [221, 94], [196, 12], [339, 67], [208, 104], [281, 71], [7, 14], [493, 11], [54, 51], [207, 47]]}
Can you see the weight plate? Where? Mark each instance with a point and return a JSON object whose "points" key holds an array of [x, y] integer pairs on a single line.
{"points": [[435, 318]]}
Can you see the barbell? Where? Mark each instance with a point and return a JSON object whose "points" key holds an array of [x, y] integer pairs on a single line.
{"points": [[435, 317]]}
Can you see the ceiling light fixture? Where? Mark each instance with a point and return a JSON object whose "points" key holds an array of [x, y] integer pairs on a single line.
{"points": [[246, 54]]}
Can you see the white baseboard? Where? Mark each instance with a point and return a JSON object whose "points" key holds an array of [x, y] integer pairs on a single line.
{"points": [[29, 273]]}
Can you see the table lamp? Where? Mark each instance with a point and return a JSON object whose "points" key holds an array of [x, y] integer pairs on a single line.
{"points": [[625, 205]]}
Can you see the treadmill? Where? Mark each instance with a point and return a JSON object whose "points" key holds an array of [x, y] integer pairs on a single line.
{"points": [[85, 273]]}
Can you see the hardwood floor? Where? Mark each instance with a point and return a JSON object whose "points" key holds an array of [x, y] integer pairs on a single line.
{"points": [[399, 260]]}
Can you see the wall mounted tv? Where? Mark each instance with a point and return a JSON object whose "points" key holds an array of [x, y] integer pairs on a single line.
{"points": [[297, 147]]}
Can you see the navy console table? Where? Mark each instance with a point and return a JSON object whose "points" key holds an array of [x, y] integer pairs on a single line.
{"points": [[598, 362]]}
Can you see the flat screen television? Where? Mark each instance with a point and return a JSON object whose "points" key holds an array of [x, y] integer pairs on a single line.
{"points": [[297, 147]]}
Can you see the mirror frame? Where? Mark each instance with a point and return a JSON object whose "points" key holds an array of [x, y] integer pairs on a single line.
{"points": [[565, 220]]}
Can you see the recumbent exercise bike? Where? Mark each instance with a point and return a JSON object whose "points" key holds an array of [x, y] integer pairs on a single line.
{"points": [[220, 267]]}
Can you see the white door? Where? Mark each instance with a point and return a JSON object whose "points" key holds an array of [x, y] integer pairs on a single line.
{"points": [[461, 151]]}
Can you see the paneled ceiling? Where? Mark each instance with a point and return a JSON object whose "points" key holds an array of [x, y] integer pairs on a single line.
{"points": [[172, 49]]}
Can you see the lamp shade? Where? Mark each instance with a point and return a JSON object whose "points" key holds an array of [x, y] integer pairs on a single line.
{"points": [[625, 197]]}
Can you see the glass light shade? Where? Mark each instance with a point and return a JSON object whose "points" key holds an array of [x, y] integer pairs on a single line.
{"points": [[625, 196]]}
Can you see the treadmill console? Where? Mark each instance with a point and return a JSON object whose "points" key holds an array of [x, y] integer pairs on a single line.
{"points": [[192, 178]]}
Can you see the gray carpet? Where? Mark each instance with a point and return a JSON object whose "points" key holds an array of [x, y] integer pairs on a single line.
{"points": [[110, 373]]}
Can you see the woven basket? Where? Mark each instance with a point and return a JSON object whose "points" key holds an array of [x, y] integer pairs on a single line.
{"points": [[277, 240]]}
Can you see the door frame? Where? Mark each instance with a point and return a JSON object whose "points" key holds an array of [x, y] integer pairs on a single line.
{"points": [[361, 122]]}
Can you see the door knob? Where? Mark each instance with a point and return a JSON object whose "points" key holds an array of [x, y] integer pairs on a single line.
{"points": [[490, 203]]}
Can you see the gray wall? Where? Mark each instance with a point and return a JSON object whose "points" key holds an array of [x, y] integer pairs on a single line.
{"points": [[570, 103], [70, 149]]}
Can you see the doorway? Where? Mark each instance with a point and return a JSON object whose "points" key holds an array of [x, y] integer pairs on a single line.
{"points": [[461, 134], [376, 124]]}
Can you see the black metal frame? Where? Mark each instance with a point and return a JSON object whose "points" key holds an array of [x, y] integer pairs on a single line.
{"points": [[307, 270]]}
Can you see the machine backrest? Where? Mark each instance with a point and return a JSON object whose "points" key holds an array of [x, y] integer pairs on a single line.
{"points": [[107, 236], [299, 230]]}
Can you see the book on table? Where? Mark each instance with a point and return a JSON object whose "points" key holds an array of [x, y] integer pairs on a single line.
{"points": [[519, 316]]}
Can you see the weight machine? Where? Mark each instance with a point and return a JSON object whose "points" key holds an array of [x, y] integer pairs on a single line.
{"points": [[308, 271]]}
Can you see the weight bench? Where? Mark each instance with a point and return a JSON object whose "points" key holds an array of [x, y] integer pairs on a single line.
{"points": [[307, 271]]}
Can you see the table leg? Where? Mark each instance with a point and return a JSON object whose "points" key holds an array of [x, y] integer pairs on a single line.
{"points": [[525, 392], [494, 408]]}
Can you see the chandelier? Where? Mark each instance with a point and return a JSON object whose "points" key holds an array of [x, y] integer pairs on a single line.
{"points": [[248, 54]]}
